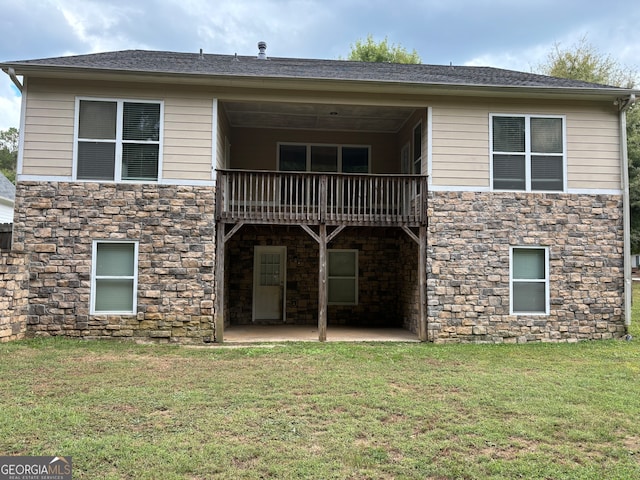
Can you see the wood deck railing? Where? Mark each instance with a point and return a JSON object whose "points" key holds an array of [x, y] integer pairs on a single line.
{"points": [[312, 198]]}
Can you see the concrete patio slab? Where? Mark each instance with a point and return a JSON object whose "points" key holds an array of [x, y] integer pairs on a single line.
{"points": [[309, 333]]}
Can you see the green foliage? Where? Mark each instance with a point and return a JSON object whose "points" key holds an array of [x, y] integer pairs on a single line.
{"points": [[9, 152], [371, 51], [633, 152], [583, 61]]}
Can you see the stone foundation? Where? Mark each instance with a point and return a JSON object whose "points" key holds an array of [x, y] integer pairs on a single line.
{"points": [[45, 282], [14, 296], [469, 239], [55, 225]]}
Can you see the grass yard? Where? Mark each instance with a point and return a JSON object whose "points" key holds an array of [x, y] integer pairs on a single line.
{"points": [[357, 411]]}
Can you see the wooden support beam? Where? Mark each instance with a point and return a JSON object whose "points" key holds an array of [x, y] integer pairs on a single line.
{"points": [[322, 285], [413, 236], [235, 228], [330, 236], [313, 234], [335, 233], [322, 240], [219, 280]]}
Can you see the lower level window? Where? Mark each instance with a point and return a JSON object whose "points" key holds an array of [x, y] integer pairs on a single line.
{"points": [[114, 277], [529, 281], [342, 277]]}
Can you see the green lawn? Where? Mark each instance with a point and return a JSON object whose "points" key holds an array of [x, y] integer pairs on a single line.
{"points": [[357, 411]]}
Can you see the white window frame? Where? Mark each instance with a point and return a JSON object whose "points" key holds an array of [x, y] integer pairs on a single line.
{"points": [[119, 141], [94, 277], [339, 148], [528, 280], [413, 160], [527, 150], [355, 278]]}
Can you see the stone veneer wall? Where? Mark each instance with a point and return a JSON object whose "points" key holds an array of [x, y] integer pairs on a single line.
{"points": [[14, 295], [409, 288], [55, 224], [469, 238], [379, 275], [302, 273]]}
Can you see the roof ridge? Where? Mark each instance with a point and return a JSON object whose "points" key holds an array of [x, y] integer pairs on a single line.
{"points": [[220, 65]]}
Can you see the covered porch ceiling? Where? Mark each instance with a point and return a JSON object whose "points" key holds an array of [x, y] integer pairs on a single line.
{"points": [[312, 116]]}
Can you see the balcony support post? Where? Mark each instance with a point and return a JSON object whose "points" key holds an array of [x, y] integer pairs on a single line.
{"points": [[421, 240], [322, 284], [219, 288]]}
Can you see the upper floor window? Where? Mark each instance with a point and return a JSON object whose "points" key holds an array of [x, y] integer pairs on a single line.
{"points": [[323, 158], [118, 140], [528, 153]]}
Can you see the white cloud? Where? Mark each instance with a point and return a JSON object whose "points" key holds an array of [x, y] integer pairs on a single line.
{"points": [[101, 26], [526, 60], [500, 33]]}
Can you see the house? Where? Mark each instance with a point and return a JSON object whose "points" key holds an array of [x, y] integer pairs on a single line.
{"points": [[172, 196], [7, 197]]}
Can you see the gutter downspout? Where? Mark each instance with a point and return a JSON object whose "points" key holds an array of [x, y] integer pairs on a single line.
{"points": [[628, 281], [12, 73]]}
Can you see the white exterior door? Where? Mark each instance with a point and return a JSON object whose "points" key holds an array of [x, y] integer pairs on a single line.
{"points": [[269, 280]]}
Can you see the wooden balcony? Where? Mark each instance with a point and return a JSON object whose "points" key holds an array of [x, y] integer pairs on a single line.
{"points": [[308, 198]]}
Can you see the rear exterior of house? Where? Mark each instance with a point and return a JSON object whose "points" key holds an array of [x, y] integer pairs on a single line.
{"points": [[174, 196]]}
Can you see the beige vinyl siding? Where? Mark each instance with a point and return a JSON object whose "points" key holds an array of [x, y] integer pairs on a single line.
{"points": [[49, 126], [460, 135], [48, 132], [460, 146], [187, 138], [593, 149], [461, 155]]}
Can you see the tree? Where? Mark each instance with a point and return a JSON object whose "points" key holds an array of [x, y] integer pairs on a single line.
{"points": [[584, 62], [9, 152], [371, 51], [633, 152]]}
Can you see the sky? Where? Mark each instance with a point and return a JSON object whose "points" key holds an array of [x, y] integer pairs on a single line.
{"points": [[512, 34]]}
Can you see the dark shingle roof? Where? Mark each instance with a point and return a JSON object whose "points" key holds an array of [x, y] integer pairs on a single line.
{"points": [[7, 189], [154, 62]]}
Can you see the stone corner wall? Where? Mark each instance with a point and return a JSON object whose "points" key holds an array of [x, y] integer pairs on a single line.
{"points": [[55, 226], [469, 240], [14, 295]]}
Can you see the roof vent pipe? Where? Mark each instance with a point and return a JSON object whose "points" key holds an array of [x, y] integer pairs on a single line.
{"points": [[262, 47]]}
